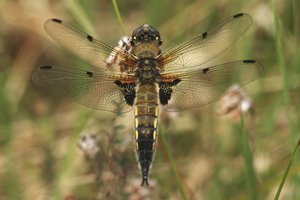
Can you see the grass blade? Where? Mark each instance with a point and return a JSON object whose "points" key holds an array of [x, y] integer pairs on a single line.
{"points": [[81, 16], [173, 166], [286, 171], [119, 16], [248, 159]]}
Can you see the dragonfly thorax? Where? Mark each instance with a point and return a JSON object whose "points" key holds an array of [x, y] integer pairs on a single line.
{"points": [[147, 70]]}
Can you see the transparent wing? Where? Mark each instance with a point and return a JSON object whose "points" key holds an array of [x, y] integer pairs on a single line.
{"points": [[85, 46], [90, 88], [201, 87], [206, 46]]}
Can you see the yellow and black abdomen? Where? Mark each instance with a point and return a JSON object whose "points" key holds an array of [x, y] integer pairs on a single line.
{"points": [[146, 115]]}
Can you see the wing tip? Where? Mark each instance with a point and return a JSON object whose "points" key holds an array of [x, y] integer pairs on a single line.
{"points": [[52, 21], [259, 66], [242, 15]]}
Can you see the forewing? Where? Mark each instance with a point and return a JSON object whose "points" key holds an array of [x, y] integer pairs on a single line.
{"points": [[207, 46], [93, 88], [85, 46], [201, 87]]}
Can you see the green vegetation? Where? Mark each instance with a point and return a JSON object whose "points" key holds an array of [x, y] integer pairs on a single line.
{"points": [[200, 155]]}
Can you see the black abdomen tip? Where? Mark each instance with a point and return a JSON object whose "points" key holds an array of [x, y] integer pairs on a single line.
{"points": [[145, 166], [238, 15], [144, 180], [57, 20]]}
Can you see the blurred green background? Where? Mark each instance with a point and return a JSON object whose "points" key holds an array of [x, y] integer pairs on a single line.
{"points": [[39, 157]]}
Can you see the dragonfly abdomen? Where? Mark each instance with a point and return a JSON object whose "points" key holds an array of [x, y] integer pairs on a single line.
{"points": [[146, 114]]}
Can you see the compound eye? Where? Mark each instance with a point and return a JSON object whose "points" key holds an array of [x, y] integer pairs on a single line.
{"points": [[134, 38], [157, 38]]}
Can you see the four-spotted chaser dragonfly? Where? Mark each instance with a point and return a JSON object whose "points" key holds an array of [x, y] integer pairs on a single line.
{"points": [[137, 75]]}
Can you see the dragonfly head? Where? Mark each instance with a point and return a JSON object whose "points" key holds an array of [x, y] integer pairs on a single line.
{"points": [[145, 33]]}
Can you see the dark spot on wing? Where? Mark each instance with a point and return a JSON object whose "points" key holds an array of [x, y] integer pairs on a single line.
{"points": [[205, 70], [90, 74], [46, 67], [249, 61], [90, 38], [238, 15], [204, 35], [57, 20]]}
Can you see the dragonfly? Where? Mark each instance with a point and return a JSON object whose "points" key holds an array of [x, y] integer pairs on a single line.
{"points": [[138, 75]]}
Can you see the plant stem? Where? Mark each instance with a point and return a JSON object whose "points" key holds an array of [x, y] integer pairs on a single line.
{"points": [[280, 54], [282, 66], [279, 51], [69, 158], [173, 166], [119, 16], [250, 173], [81, 17], [286, 171], [296, 16]]}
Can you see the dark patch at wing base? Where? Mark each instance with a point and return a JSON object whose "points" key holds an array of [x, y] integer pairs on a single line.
{"points": [[198, 88], [165, 95], [165, 91], [98, 92], [128, 90]]}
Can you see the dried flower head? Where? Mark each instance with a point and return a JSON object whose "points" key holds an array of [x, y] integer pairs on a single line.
{"points": [[89, 144], [113, 59], [234, 103]]}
